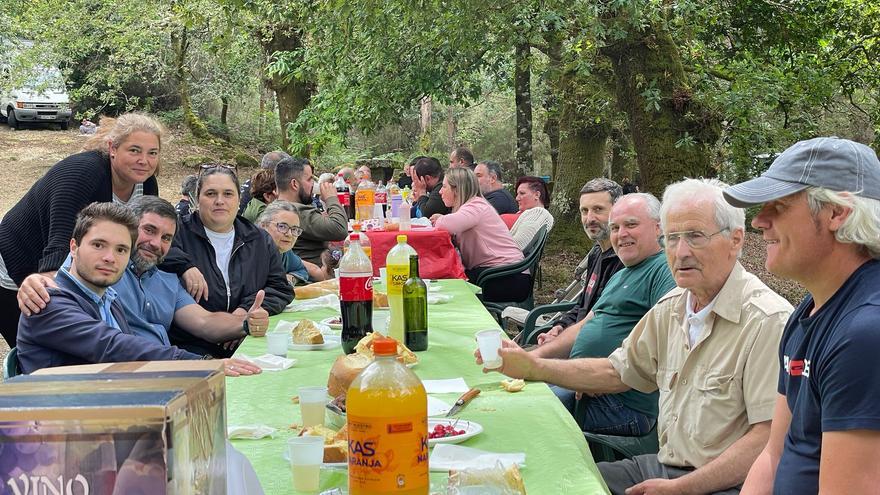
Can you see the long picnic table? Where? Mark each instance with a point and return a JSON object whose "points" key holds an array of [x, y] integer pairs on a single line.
{"points": [[532, 421]]}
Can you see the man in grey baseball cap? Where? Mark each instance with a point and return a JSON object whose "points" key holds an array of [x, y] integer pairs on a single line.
{"points": [[820, 218]]}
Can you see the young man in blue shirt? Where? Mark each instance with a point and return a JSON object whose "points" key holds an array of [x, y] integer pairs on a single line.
{"points": [[821, 220]]}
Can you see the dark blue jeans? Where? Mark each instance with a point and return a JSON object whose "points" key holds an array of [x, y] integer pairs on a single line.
{"points": [[605, 414]]}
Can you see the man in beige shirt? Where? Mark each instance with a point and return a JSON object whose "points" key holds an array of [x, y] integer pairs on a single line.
{"points": [[709, 347]]}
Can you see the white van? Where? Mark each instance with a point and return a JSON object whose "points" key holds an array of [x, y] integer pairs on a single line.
{"points": [[42, 99]]}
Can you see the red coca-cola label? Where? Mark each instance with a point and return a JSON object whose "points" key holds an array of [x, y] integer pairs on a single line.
{"points": [[381, 198], [356, 288], [344, 198]]}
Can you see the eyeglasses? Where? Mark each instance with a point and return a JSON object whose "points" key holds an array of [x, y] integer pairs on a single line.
{"points": [[283, 228], [694, 238], [205, 167]]}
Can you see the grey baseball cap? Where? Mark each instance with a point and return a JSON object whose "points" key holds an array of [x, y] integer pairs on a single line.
{"points": [[828, 162]]}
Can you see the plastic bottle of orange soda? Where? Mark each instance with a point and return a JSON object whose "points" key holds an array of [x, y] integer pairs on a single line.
{"points": [[387, 427]]}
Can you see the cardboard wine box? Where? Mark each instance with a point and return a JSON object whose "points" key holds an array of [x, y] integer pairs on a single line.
{"points": [[120, 428]]}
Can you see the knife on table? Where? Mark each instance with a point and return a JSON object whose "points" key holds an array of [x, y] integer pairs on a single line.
{"points": [[463, 400]]}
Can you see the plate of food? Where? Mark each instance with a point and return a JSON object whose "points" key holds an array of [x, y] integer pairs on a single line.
{"points": [[335, 445], [310, 336], [451, 430], [333, 323]]}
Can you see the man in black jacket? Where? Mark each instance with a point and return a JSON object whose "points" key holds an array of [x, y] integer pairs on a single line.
{"points": [[597, 198], [427, 181]]}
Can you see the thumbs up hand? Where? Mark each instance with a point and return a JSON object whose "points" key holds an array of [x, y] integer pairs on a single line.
{"points": [[257, 317]]}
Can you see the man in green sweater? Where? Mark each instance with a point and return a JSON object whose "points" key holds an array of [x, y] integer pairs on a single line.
{"points": [[635, 227], [293, 182]]}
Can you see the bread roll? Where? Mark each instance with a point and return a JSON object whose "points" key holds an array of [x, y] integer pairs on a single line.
{"points": [[343, 372]]}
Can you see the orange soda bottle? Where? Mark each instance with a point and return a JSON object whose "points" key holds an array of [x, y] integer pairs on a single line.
{"points": [[387, 412]]}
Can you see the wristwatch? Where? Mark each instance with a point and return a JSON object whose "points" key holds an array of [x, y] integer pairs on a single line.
{"points": [[246, 327]]}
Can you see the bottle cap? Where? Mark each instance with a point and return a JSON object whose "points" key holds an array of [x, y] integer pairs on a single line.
{"points": [[401, 238], [385, 346], [356, 226], [355, 236]]}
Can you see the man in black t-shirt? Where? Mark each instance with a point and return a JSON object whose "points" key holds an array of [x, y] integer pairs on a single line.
{"points": [[489, 176], [821, 221]]}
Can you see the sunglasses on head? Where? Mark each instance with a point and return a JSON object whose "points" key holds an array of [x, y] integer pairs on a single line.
{"points": [[204, 168]]}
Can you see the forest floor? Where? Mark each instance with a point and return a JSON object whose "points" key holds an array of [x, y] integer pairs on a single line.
{"points": [[27, 154]]}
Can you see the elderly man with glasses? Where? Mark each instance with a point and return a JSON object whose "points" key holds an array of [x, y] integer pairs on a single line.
{"points": [[709, 347]]}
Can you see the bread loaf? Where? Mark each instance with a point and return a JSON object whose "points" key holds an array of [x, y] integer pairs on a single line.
{"points": [[317, 289]]}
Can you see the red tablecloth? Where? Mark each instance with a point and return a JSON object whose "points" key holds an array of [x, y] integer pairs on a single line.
{"points": [[437, 255]]}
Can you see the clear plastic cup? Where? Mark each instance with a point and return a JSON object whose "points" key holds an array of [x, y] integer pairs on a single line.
{"points": [[489, 341], [277, 343], [306, 455], [312, 405]]}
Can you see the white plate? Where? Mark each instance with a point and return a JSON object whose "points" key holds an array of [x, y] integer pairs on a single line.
{"points": [[332, 326], [471, 429], [330, 342], [326, 465]]}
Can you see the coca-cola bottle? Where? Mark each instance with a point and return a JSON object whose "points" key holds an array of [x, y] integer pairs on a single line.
{"points": [[355, 294]]}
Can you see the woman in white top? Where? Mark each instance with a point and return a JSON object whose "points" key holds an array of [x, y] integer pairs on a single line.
{"points": [[533, 199], [224, 259]]}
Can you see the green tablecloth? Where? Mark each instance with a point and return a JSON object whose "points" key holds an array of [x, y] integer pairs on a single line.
{"points": [[532, 421]]}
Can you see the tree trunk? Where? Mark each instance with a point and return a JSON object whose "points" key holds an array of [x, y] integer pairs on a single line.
{"points": [[523, 96], [261, 120], [553, 51], [180, 45], [671, 133], [451, 128], [425, 109], [292, 94], [224, 109], [581, 158]]}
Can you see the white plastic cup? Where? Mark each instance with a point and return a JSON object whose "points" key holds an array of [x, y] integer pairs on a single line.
{"points": [[277, 343], [489, 341], [312, 405], [306, 455], [383, 273], [336, 273]]}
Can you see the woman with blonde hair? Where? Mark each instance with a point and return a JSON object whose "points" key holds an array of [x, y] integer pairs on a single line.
{"points": [[481, 236], [118, 163]]}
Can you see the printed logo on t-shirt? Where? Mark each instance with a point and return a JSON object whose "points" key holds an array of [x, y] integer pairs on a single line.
{"points": [[796, 367], [592, 283]]}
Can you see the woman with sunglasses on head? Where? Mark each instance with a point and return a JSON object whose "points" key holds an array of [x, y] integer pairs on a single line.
{"points": [[281, 221], [118, 163], [223, 259]]}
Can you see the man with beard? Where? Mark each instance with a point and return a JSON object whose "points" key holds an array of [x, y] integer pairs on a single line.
{"points": [[294, 183], [152, 298], [597, 198]]}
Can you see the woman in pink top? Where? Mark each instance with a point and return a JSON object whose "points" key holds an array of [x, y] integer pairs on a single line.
{"points": [[481, 236]]}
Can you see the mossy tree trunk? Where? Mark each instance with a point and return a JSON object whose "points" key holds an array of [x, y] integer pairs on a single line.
{"points": [[180, 46], [582, 142], [292, 94], [671, 132]]}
